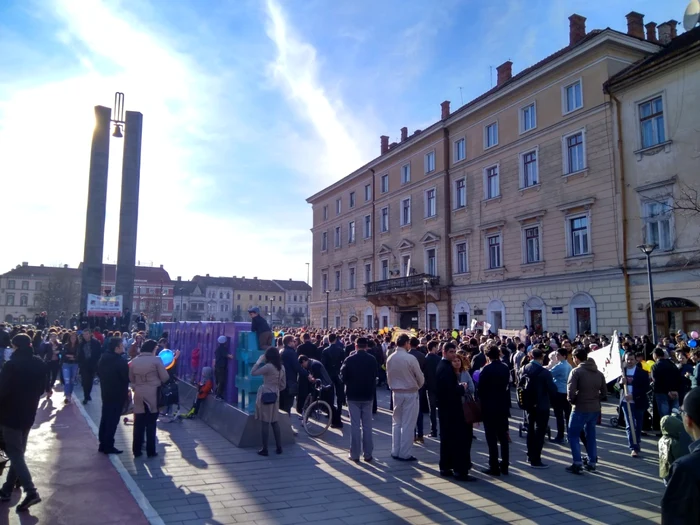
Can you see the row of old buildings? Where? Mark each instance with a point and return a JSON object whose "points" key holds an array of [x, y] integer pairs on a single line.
{"points": [[28, 290], [527, 205]]}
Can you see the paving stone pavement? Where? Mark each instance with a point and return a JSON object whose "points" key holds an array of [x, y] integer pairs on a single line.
{"points": [[201, 478]]}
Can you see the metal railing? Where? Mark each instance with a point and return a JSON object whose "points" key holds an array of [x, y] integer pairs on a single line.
{"points": [[401, 284]]}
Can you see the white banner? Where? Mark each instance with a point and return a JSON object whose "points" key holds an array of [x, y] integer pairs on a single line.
{"points": [[522, 334], [480, 325], [103, 306], [608, 359]]}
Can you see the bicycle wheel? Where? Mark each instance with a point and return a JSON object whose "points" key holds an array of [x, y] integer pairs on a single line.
{"points": [[317, 418]]}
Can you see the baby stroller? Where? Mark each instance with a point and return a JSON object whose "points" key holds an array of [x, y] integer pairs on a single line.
{"points": [[170, 399], [619, 420]]}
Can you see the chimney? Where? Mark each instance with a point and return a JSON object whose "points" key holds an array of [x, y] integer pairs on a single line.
{"points": [[651, 32], [577, 28], [161, 266], [404, 133], [25, 263], [65, 266], [635, 24], [445, 109], [179, 277], [664, 33], [505, 72], [207, 275], [674, 32], [384, 144]]}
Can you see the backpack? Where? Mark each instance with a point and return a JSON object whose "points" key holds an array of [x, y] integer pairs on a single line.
{"points": [[528, 391]]}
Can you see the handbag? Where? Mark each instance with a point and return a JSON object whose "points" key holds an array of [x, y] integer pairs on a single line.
{"points": [[269, 398], [472, 410]]}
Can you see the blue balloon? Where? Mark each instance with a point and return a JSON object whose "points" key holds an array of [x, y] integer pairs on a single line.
{"points": [[693, 343], [167, 356]]}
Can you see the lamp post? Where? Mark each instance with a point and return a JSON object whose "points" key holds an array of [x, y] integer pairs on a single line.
{"points": [[426, 282], [307, 273], [647, 250], [182, 315], [272, 298], [328, 299]]}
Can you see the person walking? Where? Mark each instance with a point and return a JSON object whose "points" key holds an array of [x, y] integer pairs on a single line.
{"points": [[146, 374], [455, 442], [405, 380], [359, 374], [332, 358], [221, 358], [113, 371], [88, 356], [416, 352], [636, 381], [69, 366], [586, 389], [562, 409], [51, 353], [267, 401], [494, 394], [22, 382], [293, 371], [432, 360], [539, 390]]}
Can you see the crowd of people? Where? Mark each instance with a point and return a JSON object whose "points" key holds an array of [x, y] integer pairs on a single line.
{"points": [[456, 378]]}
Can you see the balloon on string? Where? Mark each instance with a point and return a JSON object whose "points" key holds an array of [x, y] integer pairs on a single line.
{"points": [[694, 334], [476, 375], [455, 334], [168, 358], [693, 343], [646, 366]]}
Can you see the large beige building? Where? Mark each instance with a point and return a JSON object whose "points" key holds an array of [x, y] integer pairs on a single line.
{"points": [[506, 210]]}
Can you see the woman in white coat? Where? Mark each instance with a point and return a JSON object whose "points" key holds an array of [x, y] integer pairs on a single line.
{"points": [[267, 402]]}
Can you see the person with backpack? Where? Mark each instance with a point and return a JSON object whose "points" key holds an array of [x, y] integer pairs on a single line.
{"points": [[536, 389]]}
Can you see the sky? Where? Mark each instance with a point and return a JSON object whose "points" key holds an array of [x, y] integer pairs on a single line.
{"points": [[249, 107]]}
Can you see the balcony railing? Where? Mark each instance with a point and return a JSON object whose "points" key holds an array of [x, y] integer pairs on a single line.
{"points": [[401, 284]]}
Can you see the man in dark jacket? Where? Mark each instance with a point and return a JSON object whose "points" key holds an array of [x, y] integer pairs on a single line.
{"points": [[309, 349], [293, 371], [635, 384], [22, 382], [541, 388], [88, 357], [332, 359], [316, 371], [422, 393], [455, 439], [680, 504], [113, 372], [359, 374], [221, 358], [432, 360], [494, 380], [668, 383], [258, 324]]}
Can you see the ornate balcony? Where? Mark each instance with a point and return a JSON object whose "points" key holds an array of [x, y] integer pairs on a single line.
{"points": [[403, 291]]}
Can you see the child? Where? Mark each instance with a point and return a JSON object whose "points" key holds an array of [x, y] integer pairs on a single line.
{"points": [[670, 447], [194, 364], [205, 387]]}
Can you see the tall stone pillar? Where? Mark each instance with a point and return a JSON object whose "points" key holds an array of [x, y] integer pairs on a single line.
{"points": [[129, 208], [91, 278]]}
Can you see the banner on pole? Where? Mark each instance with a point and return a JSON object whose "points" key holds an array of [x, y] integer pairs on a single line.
{"points": [[522, 334], [608, 359], [104, 306], [480, 325]]}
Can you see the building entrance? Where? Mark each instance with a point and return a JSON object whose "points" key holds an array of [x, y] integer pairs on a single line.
{"points": [[408, 320]]}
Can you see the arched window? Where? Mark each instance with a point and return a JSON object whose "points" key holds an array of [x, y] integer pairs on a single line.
{"points": [[461, 315], [582, 314], [385, 317], [535, 314], [369, 318], [433, 317], [496, 315]]}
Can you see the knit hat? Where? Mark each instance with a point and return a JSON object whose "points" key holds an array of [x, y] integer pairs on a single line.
{"points": [[222, 339]]}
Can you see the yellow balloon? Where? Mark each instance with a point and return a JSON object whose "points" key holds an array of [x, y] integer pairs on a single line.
{"points": [[650, 363], [277, 334], [645, 366], [455, 334], [413, 330]]}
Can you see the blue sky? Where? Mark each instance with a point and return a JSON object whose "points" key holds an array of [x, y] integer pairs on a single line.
{"points": [[250, 106]]}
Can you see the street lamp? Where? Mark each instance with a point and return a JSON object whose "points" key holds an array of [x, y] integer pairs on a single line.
{"points": [[328, 299], [272, 298], [647, 250], [426, 282]]}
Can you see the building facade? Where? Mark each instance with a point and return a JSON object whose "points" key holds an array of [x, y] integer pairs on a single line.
{"points": [[505, 211], [657, 108], [297, 295], [189, 301], [218, 292]]}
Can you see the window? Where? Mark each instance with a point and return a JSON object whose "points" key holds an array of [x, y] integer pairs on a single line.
{"points": [[352, 199], [430, 203], [325, 213], [337, 280], [461, 257], [578, 228], [11, 284], [460, 150], [324, 282], [529, 169], [532, 244], [406, 211], [368, 192], [351, 232], [384, 225], [431, 262], [657, 224], [528, 118], [37, 285], [351, 278], [491, 135], [368, 272], [337, 237], [651, 122], [494, 244], [429, 162], [338, 206], [385, 183], [405, 173], [385, 269], [405, 265], [324, 241], [25, 285], [460, 193], [491, 184], [574, 153], [337, 321], [238, 297], [23, 300], [368, 226], [573, 97], [221, 295], [10, 299]]}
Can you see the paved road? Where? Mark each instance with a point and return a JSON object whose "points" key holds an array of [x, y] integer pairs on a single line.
{"points": [[200, 478]]}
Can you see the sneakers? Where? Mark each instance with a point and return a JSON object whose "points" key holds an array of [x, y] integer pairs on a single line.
{"points": [[575, 469], [31, 499], [634, 454], [590, 467], [539, 465], [419, 440]]}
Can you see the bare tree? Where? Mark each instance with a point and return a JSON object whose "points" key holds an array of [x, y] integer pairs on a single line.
{"points": [[60, 294], [689, 201]]}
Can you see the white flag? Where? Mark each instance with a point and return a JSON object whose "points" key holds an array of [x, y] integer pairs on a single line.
{"points": [[608, 359]]}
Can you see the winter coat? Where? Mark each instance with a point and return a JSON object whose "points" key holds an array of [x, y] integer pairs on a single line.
{"points": [[22, 382], [586, 387], [113, 372], [670, 448], [146, 374], [273, 381]]}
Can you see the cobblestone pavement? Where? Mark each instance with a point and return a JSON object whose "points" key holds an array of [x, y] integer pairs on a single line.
{"points": [[201, 478]]}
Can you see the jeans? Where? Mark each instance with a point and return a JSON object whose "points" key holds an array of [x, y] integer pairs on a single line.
{"points": [[145, 424], [537, 423], [585, 421], [418, 432], [403, 421], [220, 376], [665, 404], [360, 429], [15, 445], [638, 419], [111, 415], [432, 402], [496, 431], [70, 372], [562, 412]]}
